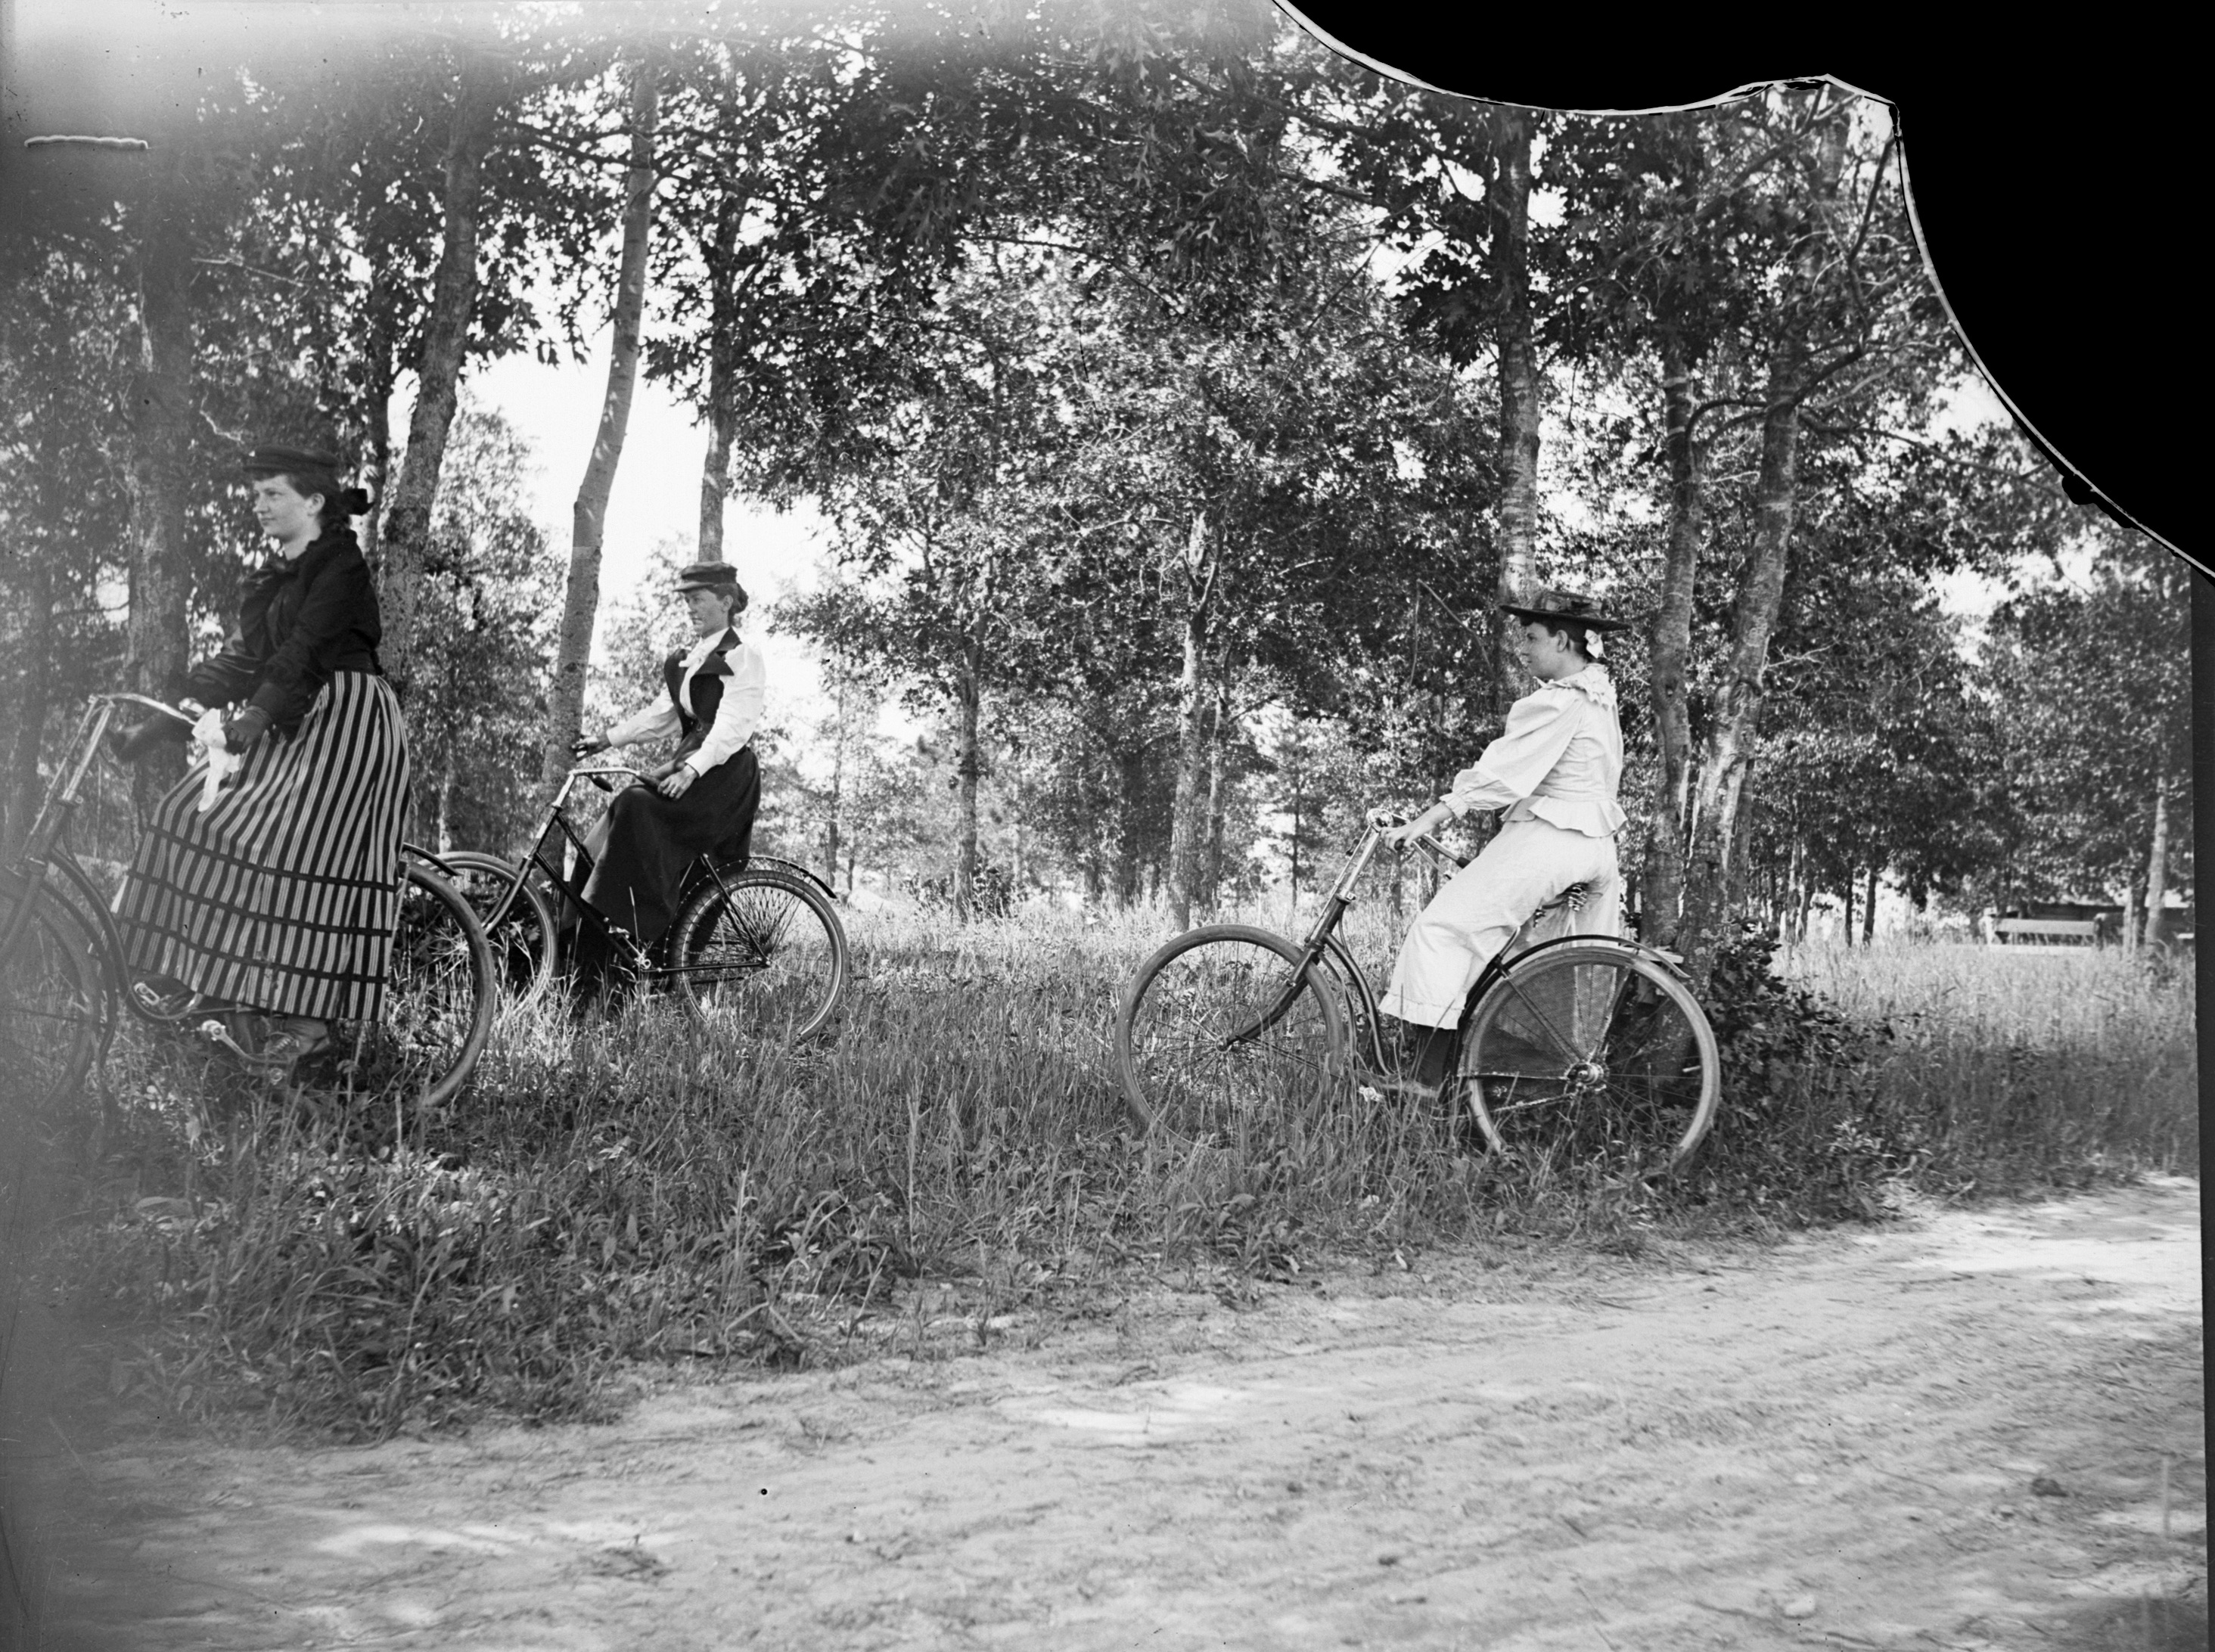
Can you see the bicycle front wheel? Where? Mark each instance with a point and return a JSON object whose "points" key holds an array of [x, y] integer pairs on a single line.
{"points": [[1591, 1054], [1222, 1026], [53, 1001], [759, 955], [440, 997]]}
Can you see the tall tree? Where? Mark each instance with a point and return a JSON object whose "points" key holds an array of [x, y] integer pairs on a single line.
{"points": [[565, 704], [472, 128]]}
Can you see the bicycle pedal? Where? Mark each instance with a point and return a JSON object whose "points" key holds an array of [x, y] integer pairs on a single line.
{"points": [[218, 1034]]}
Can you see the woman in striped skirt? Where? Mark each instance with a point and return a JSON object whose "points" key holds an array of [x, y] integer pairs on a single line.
{"points": [[283, 897]]}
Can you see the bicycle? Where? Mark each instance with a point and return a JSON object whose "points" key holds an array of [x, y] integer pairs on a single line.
{"points": [[62, 972], [756, 948], [1570, 1049]]}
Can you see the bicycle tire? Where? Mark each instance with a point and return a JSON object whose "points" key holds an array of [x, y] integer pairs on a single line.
{"points": [[759, 955], [1591, 1053], [1225, 1023], [523, 940], [55, 1013], [440, 997]]}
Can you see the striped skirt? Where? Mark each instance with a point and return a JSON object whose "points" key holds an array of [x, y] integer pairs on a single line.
{"points": [[284, 895]]}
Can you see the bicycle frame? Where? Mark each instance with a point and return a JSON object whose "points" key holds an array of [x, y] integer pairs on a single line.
{"points": [[538, 858], [44, 845], [1323, 943]]}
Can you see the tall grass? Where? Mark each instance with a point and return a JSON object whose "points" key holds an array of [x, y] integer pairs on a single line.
{"points": [[613, 1190], [2024, 1063]]}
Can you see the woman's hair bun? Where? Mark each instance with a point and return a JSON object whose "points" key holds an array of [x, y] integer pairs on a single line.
{"points": [[355, 501]]}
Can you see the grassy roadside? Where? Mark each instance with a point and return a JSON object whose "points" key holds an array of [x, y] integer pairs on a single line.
{"points": [[612, 1192]]}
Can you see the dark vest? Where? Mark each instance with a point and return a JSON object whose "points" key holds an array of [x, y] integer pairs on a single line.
{"points": [[707, 693]]}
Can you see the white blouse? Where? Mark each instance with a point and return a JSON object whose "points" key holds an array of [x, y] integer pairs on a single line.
{"points": [[738, 714], [1560, 760]]}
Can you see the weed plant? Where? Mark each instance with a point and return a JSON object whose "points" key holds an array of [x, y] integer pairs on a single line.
{"points": [[614, 1191]]}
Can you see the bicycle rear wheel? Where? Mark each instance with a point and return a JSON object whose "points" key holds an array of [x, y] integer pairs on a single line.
{"points": [[53, 1001], [1590, 1053], [439, 998], [522, 940], [759, 955], [1222, 1026]]}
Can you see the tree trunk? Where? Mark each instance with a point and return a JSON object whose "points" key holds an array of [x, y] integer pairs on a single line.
{"points": [[383, 370], [565, 702], [406, 539], [722, 376], [1729, 744], [1670, 641], [1846, 927], [1737, 802], [968, 765], [159, 630], [2158, 866], [837, 785], [1131, 772], [1869, 910], [1185, 826], [1508, 200], [1218, 782]]}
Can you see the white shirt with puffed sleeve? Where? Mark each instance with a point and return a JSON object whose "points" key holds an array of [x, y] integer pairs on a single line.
{"points": [[1559, 760]]}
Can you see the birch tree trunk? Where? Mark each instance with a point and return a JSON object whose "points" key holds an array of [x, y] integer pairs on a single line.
{"points": [[406, 534], [1187, 827], [565, 702], [2157, 879], [837, 786], [969, 766], [1218, 782], [1508, 201], [1670, 643], [722, 377], [159, 630], [1729, 744]]}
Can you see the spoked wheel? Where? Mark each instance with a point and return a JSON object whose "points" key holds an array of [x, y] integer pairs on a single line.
{"points": [[1224, 1025], [522, 941], [1591, 1055], [54, 1002], [759, 955], [439, 998]]}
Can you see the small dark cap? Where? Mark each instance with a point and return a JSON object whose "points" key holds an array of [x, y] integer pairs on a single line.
{"points": [[1567, 607], [708, 576], [285, 460]]}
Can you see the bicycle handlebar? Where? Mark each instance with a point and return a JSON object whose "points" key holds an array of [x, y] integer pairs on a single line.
{"points": [[151, 703], [597, 773]]}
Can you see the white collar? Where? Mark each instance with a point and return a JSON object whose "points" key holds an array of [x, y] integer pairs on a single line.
{"points": [[697, 655], [1592, 682]]}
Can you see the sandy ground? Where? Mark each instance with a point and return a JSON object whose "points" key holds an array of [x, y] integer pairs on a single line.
{"points": [[1853, 1441]]}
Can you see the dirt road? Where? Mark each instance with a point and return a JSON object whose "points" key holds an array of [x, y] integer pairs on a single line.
{"points": [[1854, 1441]]}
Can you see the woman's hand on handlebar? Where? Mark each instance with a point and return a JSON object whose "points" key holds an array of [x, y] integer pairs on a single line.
{"points": [[1405, 833], [588, 744]]}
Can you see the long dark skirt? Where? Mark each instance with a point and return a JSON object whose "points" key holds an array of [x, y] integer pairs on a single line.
{"points": [[651, 839], [284, 895]]}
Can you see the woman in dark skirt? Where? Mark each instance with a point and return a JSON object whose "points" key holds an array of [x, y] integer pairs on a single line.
{"points": [[283, 897], [703, 799]]}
